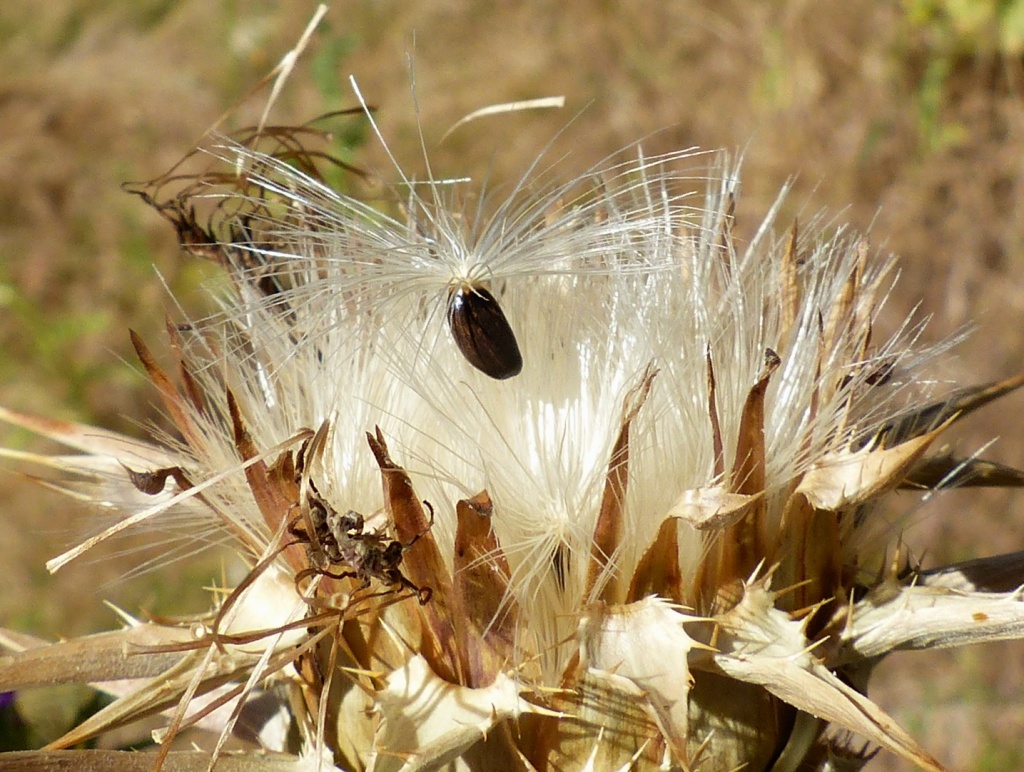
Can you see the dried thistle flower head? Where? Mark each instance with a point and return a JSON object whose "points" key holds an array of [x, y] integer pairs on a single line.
{"points": [[645, 538]]}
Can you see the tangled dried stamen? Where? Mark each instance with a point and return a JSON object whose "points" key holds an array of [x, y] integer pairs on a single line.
{"points": [[340, 539]]}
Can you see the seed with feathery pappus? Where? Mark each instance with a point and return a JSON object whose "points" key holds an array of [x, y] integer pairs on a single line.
{"points": [[482, 332]]}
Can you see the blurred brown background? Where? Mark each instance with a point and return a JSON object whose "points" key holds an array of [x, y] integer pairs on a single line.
{"points": [[906, 117]]}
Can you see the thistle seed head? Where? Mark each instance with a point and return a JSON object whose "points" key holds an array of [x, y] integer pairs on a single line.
{"points": [[586, 476]]}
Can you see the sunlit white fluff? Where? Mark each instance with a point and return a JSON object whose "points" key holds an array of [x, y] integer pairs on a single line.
{"points": [[600, 285], [626, 271], [630, 274], [338, 258]]}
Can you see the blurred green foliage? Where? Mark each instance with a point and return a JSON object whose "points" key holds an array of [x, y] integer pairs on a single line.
{"points": [[347, 136], [970, 27], [953, 33]]}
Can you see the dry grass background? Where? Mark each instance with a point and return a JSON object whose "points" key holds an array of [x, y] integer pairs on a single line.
{"points": [[910, 122]]}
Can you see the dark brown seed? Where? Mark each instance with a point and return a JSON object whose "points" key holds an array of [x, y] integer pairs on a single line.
{"points": [[482, 332]]}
